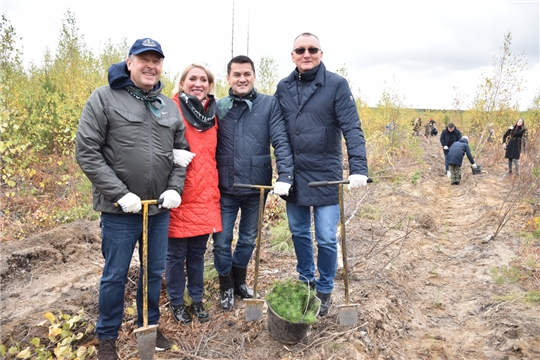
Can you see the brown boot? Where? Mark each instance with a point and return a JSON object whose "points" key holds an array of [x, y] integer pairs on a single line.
{"points": [[107, 350]]}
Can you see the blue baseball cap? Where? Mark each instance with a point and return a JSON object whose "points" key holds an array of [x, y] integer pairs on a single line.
{"points": [[146, 44]]}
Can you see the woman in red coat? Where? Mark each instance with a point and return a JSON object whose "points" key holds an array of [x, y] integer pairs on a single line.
{"points": [[199, 214], [515, 135]]}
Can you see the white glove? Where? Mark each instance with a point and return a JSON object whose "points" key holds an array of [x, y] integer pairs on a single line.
{"points": [[445, 147], [510, 127], [130, 203], [356, 181], [474, 166], [171, 199], [281, 188], [182, 157]]}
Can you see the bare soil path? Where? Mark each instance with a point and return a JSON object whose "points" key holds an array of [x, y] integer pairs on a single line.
{"points": [[420, 270]]}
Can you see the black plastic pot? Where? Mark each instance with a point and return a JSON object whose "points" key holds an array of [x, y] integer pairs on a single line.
{"points": [[285, 331]]}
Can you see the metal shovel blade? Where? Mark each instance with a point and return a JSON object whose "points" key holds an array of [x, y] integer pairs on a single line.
{"points": [[348, 314], [254, 309], [146, 341]]}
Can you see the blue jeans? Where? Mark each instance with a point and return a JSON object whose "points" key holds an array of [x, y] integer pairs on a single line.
{"points": [[224, 258], [120, 233], [191, 251], [326, 220], [446, 166]]}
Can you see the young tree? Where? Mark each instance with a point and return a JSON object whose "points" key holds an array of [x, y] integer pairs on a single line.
{"points": [[497, 97], [267, 76]]}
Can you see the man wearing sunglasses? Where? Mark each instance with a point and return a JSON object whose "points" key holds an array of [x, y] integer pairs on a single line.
{"points": [[319, 109]]}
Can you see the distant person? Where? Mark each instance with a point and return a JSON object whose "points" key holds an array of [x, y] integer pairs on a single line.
{"points": [[417, 126], [249, 122], [512, 140], [320, 110], [448, 136], [124, 145], [491, 133], [432, 129], [455, 159], [199, 214]]}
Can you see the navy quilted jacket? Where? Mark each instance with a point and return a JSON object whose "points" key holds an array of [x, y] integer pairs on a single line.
{"points": [[318, 116], [244, 138]]}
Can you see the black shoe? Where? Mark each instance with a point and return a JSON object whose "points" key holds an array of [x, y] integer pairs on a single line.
{"points": [[201, 314], [107, 350], [326, 302], [162, 343], [226, 291], [180, 313], [240, 287]]}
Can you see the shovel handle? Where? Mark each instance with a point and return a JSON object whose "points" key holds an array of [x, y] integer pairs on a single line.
{"points": [[249, 186], [335, 182], [147, 202]]}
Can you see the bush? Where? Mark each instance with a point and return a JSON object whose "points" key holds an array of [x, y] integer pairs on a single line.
{"points": [[293, 301]]}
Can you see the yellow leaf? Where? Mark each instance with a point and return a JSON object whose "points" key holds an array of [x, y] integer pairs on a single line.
{"points": [[25, 354], [59, 163], [35, 342], [49, 315], [81, 351], [55, 331]]}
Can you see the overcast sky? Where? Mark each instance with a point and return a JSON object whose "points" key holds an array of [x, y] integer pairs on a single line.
{"points": [[420, 49]]}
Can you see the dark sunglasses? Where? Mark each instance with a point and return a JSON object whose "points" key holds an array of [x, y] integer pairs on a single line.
{"points": [[312, 51]]}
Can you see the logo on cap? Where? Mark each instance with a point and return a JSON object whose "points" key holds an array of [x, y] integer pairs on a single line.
{"points": [[149, 42]]}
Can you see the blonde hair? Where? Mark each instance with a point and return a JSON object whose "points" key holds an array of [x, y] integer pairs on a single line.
{"points": [[182, 78]]}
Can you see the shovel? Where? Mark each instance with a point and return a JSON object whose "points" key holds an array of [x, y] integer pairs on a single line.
{"points": [[146, 335], [254, 306], [348, 313]]}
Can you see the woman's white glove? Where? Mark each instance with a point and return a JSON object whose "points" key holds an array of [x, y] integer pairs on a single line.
{"points": [[130, 203], [171, 199], [281, 188], [182, 157], [356, 181]]}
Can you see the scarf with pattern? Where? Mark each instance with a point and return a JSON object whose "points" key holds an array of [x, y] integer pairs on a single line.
{"points": [[201, 117]]}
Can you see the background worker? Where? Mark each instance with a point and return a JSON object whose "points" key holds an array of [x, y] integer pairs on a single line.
{"points": [[448, 136]]}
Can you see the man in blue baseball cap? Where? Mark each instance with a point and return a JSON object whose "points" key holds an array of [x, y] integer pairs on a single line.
{"points": [[125, 141]]}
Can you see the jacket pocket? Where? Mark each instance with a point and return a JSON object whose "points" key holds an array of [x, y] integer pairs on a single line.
{"points": [[261, 170], [166, 133], [224, 172], [125, 127]]}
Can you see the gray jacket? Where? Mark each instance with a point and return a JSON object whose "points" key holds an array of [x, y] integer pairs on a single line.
{"points": [[122, 147]]}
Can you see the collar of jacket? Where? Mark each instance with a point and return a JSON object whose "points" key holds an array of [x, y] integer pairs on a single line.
{"points": [[308, 75], [225, 104]]}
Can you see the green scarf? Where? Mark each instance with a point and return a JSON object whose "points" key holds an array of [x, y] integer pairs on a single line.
{"points": [[148, 100]]}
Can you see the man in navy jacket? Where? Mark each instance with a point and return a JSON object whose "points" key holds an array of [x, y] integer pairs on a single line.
{"points": [[319, 110], [249, 123]]}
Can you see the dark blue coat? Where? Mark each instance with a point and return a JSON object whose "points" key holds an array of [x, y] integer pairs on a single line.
{"points": [[457, 151], [318, 116], [244, 139], [448, 138]]}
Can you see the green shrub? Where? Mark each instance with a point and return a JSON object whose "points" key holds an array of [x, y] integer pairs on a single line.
{"points": [[289, 299]]}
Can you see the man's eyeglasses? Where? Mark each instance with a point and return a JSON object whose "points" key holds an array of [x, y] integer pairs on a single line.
{"points": [[311, 50]]}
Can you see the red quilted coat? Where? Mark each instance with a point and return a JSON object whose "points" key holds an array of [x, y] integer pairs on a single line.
{"points": [[199, 212]]}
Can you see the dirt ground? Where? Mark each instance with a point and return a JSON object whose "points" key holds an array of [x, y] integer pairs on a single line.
{"points": [[420, 260]]}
